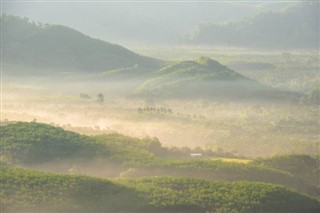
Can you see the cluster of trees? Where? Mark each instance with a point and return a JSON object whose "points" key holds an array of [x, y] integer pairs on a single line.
{"points": [[168, 111], [155, 110], [100, 97], [31, 191]]}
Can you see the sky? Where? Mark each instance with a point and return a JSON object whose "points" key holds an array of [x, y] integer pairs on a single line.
{"points": [[137, 23]]}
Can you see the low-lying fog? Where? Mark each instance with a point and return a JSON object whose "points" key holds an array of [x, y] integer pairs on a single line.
{"points": [[250, 129]]}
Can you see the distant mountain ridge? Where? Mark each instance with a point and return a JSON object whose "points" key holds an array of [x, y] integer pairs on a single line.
{"points": [[57, 47], [296, 27]]}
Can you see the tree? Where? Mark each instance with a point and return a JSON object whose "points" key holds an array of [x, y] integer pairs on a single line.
{"points": [[85, 96], [100, 98]]}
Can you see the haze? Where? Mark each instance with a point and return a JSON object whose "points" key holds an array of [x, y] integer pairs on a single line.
{"points": [[160, 107]]}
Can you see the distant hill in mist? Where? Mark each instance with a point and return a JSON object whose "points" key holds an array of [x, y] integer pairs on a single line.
{"points": [[42, 50], [205, 78], [56, 47], [295, 27], [136, 23]]}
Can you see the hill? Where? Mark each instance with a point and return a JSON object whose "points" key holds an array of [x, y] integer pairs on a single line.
{"points": [[29, 143], [44, 50], [205, 78], [295, 27], [31, 191], [31, 46], [48, 148], [302, 166]]}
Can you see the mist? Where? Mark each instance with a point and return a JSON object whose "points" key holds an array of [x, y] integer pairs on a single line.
{"points": [[138, 23], [160, 107]]}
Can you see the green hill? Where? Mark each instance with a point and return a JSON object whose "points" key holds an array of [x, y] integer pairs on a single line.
{"points": [[33, 144], [205, 78], [303, 166], [27, 46], [31, 191], [29, 143]]}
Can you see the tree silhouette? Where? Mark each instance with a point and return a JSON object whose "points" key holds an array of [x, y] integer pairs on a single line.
{"points": [[100, 98]]}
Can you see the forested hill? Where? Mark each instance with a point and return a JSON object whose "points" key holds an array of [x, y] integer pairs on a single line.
{"points": [[57, 47], [36, 145], [31, 191], [296, 27]]}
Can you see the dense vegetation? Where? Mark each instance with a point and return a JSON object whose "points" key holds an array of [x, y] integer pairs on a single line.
{"points": [[32, 144], [289, 29], [31, 191]]}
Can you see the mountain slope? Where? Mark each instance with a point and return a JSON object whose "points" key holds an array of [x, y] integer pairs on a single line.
{"points": [[60, 48]]}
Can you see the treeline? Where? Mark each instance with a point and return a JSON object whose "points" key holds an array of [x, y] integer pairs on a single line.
{"points": [[155, 110], [167, 111]]}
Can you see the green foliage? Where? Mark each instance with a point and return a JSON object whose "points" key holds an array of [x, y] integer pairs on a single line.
{"points": [[219, 196], [35, 142], [30, 191], [128, 150], [226, 171], [303, 166]]}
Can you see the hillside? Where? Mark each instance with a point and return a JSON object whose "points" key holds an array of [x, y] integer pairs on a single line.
{"points": [[29, 143], [294, 28], [53, 149], [31, 191], [27, 45], [44, 50], [302, 166], [205, 78]]}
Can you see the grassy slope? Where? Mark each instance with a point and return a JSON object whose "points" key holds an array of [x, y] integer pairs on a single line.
{"points": [[31, 191]]}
